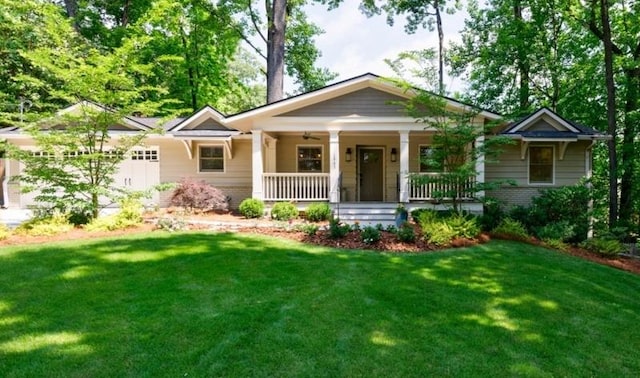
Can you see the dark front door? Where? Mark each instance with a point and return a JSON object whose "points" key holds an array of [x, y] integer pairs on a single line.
{"points": [[370, 164]]}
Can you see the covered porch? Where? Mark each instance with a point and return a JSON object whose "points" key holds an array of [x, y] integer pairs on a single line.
{"points": [[349, 166]]}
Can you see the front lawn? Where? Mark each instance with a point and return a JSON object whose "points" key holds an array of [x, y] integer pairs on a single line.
{"points": [[203, 304]]}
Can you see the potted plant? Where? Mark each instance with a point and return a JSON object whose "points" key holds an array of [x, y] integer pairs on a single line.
{"points": [[402, 215]]}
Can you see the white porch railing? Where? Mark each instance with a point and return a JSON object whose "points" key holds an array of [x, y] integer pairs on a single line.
{"points": [[295, 186], [436, 189]]}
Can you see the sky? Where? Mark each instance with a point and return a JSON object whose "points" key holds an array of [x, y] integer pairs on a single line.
{"points": [[354, 44]]}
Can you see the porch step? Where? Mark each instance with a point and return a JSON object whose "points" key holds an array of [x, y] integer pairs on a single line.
{"points": [[366, 214]]}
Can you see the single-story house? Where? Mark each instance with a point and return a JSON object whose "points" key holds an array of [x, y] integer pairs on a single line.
{"points": [[347, 143]]}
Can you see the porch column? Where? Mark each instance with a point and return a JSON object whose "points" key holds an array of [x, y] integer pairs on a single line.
{"points": [[480, 165], [270, 163], [334, 166], [256, 164], [404, 166]]}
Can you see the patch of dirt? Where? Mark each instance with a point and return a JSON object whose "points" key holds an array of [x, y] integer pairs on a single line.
{"points": [[235, 223]]}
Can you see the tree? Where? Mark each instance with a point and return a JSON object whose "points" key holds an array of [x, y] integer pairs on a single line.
{"points": [[289, 41], [458, 141], [76, 155]]}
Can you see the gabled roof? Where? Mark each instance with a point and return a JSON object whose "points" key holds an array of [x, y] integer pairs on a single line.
{"points": [[557, 127], [135, 123], [205, 113], [368, 80]]}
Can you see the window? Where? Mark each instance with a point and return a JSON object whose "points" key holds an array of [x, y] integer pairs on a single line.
{"points": [[309, 158], [541, 165], [427, 164], [211, 159]]}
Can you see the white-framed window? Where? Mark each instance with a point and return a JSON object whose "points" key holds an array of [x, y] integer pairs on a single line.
{"points": [[541, 165], [211, 158], [426, 154], [309, 158], [151, 155]]}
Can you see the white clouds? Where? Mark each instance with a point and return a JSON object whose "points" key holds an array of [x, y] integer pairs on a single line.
{"points": [[354, 44]]}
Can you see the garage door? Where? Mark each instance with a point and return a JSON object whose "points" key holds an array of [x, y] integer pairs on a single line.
{"points": [[140, 170]]}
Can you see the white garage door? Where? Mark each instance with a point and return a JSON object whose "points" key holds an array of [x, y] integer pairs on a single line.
{"points": [[140, 170]]}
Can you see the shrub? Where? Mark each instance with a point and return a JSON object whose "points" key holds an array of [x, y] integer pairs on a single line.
{"points": [[569, 203], [251, 208], [511, 229], [492, 214], [53, 224], [5, 232], [318, 212], [338, 230], [370, 235], [284, 211], [171, 224], [556, 244], [194, 195], [604, 247], [405, 233], [308, 228], [443, 231], [424, 216], [129, 215], [562, 231]]}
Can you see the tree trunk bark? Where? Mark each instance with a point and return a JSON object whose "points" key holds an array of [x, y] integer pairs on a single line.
{"points": [[611, 112], [275, 50], [628, 151], [436, 7], [522, 64]]}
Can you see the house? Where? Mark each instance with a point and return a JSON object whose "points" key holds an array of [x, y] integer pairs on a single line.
{"points": [[347, 143]]}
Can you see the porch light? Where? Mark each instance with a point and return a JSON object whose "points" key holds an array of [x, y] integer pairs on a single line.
{"points": [[394, 154], [347, 155]]}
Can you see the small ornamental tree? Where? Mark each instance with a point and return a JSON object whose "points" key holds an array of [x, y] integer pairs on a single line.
{"points": [[459, 141], [197, 195], [75, 154]]}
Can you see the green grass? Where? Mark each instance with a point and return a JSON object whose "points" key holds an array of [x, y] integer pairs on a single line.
{"points": [[199, 305]]}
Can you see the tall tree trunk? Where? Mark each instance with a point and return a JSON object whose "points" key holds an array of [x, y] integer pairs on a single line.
{"points": [[522, 63], [436, 7], [193, 80], [275, 50], [611, 111], [628, 152], [71, 6]]}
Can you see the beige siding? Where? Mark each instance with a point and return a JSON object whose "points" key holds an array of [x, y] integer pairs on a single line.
{"points": [[510, 166], [235, 181], [366, 102]]}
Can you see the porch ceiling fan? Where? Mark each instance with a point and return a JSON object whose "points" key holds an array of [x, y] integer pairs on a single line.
{"points": [[307, 136]]}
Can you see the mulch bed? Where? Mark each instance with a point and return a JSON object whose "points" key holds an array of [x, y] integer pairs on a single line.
{"points": [[352, 240]]}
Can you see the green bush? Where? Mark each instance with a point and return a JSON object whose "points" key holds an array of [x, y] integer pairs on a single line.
{"points": [[604, 247], [562, 231], [443, 231], [129, 215], [406, 233], [556, 244], [53, 224], [370, 235], [338, 230], [511, 229], [284, 211], [424, 216], [318, 212], [569, 203], [5, 232], [251, 208], [492, 214], [308, 228]]}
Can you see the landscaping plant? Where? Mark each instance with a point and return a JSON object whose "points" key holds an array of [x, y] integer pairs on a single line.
{"points": [[284, 211], [197, 195], [251, 208], [318, 212]]}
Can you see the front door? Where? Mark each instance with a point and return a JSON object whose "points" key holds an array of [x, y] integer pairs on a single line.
{"points": [[370, 168]]}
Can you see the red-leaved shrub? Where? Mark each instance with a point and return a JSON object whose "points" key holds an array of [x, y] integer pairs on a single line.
{"points": [[198, 196]]}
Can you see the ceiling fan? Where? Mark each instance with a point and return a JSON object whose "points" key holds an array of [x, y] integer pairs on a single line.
{"points": [[307, 136]]}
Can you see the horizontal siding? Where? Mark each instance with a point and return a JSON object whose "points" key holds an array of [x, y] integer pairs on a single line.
{"points": [[366, 102], [235, 181], [568, 171]]}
